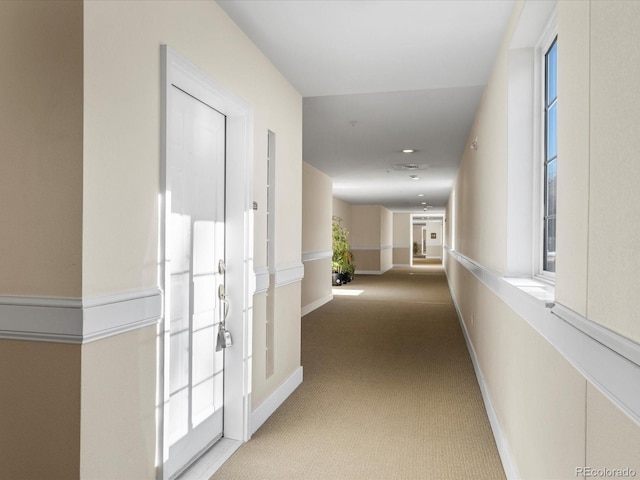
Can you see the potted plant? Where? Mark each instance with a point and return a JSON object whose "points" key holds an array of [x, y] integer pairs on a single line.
{"points": [[342, 259]]}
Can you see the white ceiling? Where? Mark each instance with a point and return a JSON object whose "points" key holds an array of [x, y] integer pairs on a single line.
{"points": [[378, 77]]}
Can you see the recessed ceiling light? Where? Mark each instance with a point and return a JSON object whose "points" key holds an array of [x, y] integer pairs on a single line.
{"points": [[423, 203], [408, 150], [421, 194], [414, 177]]}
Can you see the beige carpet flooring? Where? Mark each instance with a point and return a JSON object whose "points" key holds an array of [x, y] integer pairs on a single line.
{"points": [[389, 392]]}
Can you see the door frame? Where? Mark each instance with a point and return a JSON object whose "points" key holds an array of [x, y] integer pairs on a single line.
{"points": [[179, 72]]}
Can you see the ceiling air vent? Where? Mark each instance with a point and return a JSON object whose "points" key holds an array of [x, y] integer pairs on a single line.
{"points": [[410, 166]]}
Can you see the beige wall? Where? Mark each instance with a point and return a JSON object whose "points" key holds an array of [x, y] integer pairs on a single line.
{"points": [[386, 239], [80, 145], [316, 285], [122, 139], [371, 237], [541, 415], [118, 406], [365, 226], [614, 203], [39, 410], [480, 206], [598, 173], [317, 210], [286, 341], [343, 210], [41, 241], [552, 419], [611, 438], [401, 239], [573, 148], [41, 148]]}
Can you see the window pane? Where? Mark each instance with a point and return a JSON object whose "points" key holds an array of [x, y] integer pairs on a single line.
{"points": [[552, 131], [550, 245], [550, 158], [552, 75], [551, 187]]}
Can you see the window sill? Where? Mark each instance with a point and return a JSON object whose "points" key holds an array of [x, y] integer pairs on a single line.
{"points": [[541, 291]]}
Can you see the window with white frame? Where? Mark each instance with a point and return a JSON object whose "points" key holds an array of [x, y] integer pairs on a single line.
{"points": [[550, 163], [532, 143]]}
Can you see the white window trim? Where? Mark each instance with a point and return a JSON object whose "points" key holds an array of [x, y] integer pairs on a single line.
{"points": [[536, 23], [545, 41]]}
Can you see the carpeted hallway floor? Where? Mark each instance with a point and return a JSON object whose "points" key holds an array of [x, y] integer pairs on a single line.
{"points": [[389, 392]]}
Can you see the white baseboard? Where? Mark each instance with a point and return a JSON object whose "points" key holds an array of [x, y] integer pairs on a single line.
{"points": [[271, 404], [211, 461], [508, 465], [317, 304], [373, 272]]}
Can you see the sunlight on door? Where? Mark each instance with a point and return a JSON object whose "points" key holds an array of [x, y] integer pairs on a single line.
{"points": [[195, 245]]}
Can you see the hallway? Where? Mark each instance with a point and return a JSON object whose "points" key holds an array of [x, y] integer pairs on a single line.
{"points": [[389, 392]]}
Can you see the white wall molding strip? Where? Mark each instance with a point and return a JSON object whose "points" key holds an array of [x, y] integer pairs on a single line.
{"points": [[284, 275], [287, 274], [271, 404], [262, 280], [309, 256], [605, 358], [41, 319], [621, 345], [315, 305], [376, 247], [77, 321], [113, 314]]}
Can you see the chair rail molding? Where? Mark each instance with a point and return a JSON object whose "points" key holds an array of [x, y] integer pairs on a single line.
{"points": [[609, 361], [78, 320]]}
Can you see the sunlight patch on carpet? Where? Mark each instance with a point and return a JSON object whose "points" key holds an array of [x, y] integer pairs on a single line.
{"points": [[351, 293]]}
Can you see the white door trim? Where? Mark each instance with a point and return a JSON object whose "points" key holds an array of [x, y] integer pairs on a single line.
{"points": [[179, 72]]}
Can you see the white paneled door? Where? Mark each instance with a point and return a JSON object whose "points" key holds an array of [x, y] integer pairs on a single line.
{"points": [[194, 275]]}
